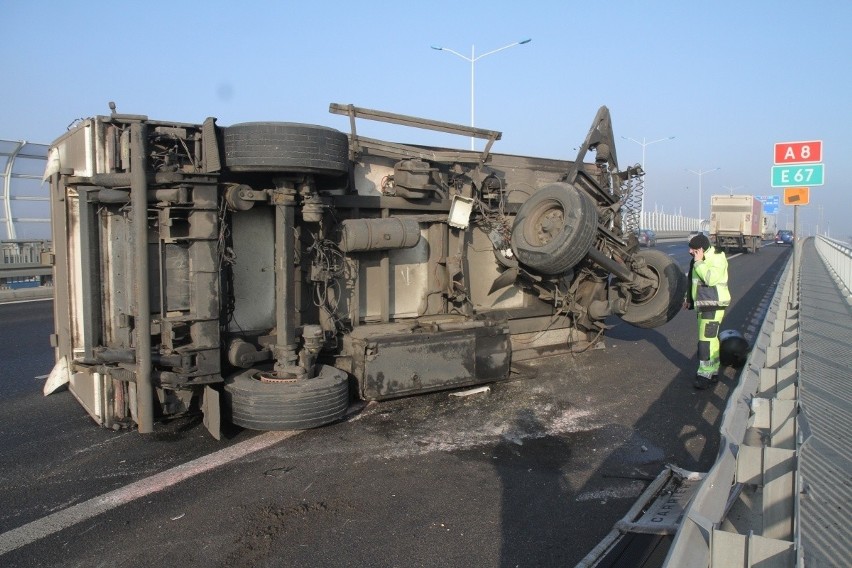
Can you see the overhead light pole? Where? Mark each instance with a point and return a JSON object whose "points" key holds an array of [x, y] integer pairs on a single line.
{"points": [[472, 60], [731, 190], [643, 143], [700, 174]]}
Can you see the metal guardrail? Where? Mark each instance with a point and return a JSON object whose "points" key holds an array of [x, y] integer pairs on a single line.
{"points": [[776, 495], [24, 201], [838, 257], [745, 511], [25, 270], [755, 469], [23, 275], [659, 221]]}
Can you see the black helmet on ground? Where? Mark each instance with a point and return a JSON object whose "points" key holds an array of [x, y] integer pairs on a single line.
{"points": [[733, 349]]}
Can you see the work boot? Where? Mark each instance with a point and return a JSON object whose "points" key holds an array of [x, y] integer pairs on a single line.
{"points": [[701, 383]]}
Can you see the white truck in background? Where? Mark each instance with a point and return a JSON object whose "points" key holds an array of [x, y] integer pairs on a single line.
{"points": [[770, 226], [736, 222]]}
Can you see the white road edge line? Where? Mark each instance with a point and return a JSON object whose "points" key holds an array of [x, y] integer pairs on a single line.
{"points": [[46, 526], [26, 301]]}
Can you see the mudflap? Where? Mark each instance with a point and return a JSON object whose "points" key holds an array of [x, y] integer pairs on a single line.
{"points": [[212, 413], [391, 360]]}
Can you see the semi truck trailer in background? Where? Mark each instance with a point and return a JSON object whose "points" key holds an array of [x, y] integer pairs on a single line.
{"points": [[736, 222], [770, 226]]}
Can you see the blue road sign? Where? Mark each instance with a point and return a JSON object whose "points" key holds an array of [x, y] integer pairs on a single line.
{"points": [[771, 203]]}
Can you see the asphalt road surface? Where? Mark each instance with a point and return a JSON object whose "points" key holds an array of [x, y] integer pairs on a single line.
{"points": [[534, 473]]}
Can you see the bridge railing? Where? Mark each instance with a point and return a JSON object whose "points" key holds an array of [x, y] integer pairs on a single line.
{"points": [[838, 257], [24, 274], [24, 200], [658, 221], [756, 459]]}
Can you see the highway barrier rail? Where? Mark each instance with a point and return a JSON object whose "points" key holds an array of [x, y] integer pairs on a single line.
{"points": [[778, 492], [25, 270], [838, 258]]}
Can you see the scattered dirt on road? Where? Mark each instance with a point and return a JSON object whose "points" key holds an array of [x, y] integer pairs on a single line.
{"points": [[265, 526]]}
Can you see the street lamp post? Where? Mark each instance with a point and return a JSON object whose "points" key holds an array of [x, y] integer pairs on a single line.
{"points": [[472, 60], [700, 174], [643, 143]]}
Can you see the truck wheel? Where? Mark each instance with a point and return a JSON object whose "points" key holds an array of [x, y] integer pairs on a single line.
{"points": [[665, 300], [285, 147], [554, 228], [295, 405]]}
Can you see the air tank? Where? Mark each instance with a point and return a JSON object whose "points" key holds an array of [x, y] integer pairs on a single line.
{"points": [[359, 235]]}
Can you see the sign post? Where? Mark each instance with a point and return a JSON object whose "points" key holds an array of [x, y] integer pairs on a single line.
{"points": [[796, 196], [797, 168], [794, 298]]}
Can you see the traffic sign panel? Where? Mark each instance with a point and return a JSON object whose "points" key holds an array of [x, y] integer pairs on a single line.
{"points": [[770, 203], [796, 196], [807, 152], [796, 175]]}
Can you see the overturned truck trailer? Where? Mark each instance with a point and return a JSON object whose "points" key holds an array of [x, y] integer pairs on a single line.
{"points": [[271, 271]]}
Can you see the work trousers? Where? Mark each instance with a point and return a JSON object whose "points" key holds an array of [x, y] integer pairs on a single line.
{"points": [[709, 322]]}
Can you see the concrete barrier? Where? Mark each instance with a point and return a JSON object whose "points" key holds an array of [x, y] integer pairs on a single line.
{"points": [[25, 294]]}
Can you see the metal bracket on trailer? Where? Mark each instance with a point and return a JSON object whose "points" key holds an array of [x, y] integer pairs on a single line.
{"points": [[354, 112]]}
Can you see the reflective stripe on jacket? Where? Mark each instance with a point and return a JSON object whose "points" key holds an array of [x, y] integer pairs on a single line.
{"points": [[710, 280]]}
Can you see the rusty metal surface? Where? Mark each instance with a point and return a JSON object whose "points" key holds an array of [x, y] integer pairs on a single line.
{"points": [[188, 242], [421, 360]]}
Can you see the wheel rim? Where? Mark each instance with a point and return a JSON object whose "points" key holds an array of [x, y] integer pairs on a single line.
{"points": [[638, 299], [289, 375], [546, 222]]}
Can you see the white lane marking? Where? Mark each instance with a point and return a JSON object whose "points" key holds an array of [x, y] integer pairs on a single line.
{"points": [[40, 528], [27, 301]]}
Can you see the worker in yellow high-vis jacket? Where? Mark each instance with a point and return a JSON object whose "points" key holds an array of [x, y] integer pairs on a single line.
{"points": [[709, 296]]}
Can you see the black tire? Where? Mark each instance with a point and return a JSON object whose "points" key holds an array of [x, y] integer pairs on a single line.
{"points": [[297, 405], [285, 147], [554, 229], [666, 300]]}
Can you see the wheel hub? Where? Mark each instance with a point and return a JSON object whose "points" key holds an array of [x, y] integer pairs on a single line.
{"points": [[286, 375], [549, 224]]}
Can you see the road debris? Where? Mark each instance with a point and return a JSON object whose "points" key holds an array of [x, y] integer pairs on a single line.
{"points": [[469, 392]]}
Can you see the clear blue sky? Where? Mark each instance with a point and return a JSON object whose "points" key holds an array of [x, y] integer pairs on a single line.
{"points": [[727, 79]]}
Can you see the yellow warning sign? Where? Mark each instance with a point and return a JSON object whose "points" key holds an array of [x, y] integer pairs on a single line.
{"points": [[796, 196]]}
